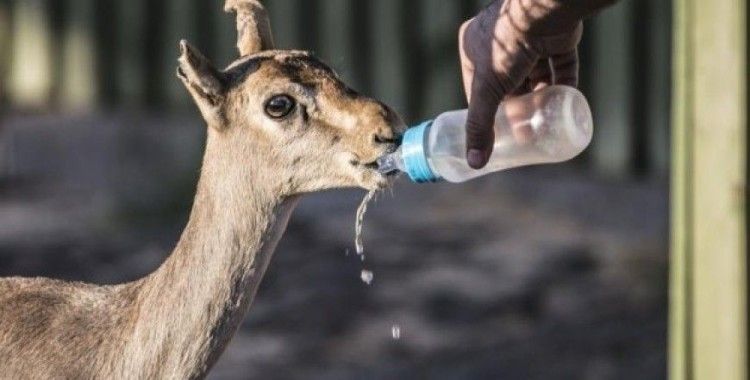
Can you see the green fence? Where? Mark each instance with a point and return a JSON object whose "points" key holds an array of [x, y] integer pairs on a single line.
{"points": [[708, 264], [86, 54]]}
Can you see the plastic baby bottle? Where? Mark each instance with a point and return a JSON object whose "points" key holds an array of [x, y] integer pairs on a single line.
{"points": [[548, 126]]}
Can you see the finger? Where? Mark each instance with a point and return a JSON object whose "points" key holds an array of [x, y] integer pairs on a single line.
{"points": [[480, 133], [565, 68], [467, 66], [542, 75]]}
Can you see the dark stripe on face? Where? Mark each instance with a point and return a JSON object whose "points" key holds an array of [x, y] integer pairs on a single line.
{"points": [[300, 68], [309, 63], [309, 72], [238, 72]]}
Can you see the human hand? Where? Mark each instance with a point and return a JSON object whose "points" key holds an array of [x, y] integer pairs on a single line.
{"points": [[511, 48]]}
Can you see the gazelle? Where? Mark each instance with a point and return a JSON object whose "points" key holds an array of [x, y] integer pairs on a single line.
{"points": [[280, 125]]}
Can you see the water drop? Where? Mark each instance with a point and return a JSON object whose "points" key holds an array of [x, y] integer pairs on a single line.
{"points": [[361, 211], [396, 332], [367, 276]]}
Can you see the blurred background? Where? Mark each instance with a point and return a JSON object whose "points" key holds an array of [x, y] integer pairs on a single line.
{"points": [[548, 272]]}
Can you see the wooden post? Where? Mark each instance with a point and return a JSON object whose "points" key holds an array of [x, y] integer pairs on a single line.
{"points": [[708, 316], [389, 78], [154, 76], [442, 89], [335, 45], [104, 28], [30, 82], [284, 22], [658, 87], [612, 103], [224, 50], [360, 21], [414, 57], [179, 24], [5, 35], [309, 27], [131, 48], [78, 80]]}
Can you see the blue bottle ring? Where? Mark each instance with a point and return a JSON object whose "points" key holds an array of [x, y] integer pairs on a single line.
{"points": [[415, 159]]}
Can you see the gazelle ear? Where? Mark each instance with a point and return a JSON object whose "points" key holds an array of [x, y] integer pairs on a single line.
{"points": [[253, 28], [206, 84]]}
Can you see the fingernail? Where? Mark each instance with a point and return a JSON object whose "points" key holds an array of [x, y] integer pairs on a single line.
{"points": [[475, 158]]}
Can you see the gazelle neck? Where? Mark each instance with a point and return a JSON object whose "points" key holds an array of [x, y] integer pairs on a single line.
{"points": [[189, 309]]}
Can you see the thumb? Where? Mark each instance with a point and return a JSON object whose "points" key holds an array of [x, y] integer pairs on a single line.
{"points": [[480, 133]]}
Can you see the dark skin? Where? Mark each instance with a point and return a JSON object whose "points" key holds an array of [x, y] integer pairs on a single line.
{"points": [[513, 47]]}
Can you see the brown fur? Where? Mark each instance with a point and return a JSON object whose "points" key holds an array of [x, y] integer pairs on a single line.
{"points": [[175, 323]]}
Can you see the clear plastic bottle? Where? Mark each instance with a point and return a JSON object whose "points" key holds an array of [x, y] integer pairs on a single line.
{"points": [[548, 126]]}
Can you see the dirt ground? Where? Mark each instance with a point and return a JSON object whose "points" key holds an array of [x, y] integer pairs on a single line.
{"points": [[540, 273]]}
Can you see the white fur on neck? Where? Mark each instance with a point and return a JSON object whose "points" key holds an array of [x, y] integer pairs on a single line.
{"points": [[192, 306]]}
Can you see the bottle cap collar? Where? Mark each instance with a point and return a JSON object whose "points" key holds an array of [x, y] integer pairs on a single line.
{"points": [[415, 159]]}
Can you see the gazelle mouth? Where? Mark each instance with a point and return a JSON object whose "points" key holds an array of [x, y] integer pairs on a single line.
{"points": [[375, 167], [372, 165], [373, 178], [369, 165]]}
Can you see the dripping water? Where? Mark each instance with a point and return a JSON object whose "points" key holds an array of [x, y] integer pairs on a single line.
{"points": [[366, 275], [396, 332], [361, 211]]}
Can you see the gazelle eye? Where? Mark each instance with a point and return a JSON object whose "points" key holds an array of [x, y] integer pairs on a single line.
{"points": [[280, 106]]}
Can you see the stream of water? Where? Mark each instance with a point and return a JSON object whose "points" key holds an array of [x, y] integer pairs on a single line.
{"points": [[361, 211], [367, 276]]}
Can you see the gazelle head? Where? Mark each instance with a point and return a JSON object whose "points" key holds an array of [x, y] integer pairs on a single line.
{"points": [[287, 113]]}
